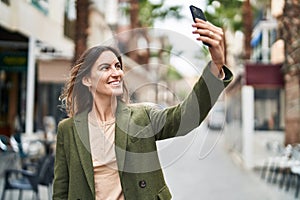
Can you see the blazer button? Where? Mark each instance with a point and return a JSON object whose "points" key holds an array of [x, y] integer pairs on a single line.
{"points": [[142, 184]]}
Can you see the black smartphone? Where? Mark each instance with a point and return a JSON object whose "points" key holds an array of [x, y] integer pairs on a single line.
{"points": [[198, 13]]}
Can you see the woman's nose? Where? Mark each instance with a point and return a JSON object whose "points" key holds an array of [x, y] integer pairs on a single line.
{"points": [[115, 72]]}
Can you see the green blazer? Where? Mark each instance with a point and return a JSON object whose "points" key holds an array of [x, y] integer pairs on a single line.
{"points": [[137, 129]]}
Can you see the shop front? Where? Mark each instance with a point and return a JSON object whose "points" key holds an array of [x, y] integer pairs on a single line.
{"points": [[13, 73], [51, 78], [51, 71], [255, 113]]}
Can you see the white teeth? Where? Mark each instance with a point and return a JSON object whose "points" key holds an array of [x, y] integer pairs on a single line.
{"points": [[115, 83]]}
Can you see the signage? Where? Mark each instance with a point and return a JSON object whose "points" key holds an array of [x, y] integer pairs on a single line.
{"points": [[13, 61]]}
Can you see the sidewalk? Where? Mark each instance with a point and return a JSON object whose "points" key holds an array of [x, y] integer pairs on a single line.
{"points": [[204, 171]]}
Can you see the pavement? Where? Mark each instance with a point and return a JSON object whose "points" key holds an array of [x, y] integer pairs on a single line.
{"points": [[198, 166]]}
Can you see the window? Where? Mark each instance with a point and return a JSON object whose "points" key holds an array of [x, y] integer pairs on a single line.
{"points": [[70, 19], [268, 111], [42, 5], [70, 10]]}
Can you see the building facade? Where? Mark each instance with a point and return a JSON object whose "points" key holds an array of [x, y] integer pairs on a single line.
{"points": [[32, 36], [36, 53], [256, 110]]}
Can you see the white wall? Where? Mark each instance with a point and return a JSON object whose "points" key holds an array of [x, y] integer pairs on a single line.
{"points": [[24, 18]]}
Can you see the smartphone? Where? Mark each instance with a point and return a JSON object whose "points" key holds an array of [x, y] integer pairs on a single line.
{"points": [[198, 13]]}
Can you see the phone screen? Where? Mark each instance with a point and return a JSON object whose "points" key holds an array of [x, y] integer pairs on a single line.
{"points": [[197, 13]]}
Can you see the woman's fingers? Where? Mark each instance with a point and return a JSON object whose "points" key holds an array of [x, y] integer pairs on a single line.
{"points": [[208, 32], [214, 36], [207, 25], [209, 36]]}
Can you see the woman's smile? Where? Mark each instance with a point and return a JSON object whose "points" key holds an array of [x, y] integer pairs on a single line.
{"points": [[115, 83]]}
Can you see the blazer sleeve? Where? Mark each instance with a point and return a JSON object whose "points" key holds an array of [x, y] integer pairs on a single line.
{"points": [[184, 117], [61, 174]]}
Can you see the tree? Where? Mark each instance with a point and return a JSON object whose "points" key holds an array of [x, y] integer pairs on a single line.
{"points": [[289, 26], [232, 14], [247, 27], [142, 14], [82, 11], [149, 12], [226, 13]]}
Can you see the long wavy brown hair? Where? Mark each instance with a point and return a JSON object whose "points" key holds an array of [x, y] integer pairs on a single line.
{"points": [[76, 97]]}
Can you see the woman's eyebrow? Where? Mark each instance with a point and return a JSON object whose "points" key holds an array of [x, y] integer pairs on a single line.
{"points": [[104, 64]]}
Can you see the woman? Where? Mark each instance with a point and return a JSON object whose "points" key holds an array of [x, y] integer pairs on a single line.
{"points": [[107, 148]]}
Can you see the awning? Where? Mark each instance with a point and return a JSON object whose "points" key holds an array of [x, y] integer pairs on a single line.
{"points": [[53, 71], [264, 75]]}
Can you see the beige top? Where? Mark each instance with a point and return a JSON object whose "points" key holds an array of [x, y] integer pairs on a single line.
{"points": [[106, 176]]}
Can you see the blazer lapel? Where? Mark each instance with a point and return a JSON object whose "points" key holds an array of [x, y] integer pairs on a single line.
{"points": [[122, 124], [83, 147], [83, 144]]}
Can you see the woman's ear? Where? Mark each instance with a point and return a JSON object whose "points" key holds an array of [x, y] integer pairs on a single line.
{"points": [[86, 81]]}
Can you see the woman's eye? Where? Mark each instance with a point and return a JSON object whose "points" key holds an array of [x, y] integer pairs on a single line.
{"points": [[103, 67], [118, 66]]}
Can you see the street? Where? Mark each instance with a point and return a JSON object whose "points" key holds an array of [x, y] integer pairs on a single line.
{"points": [[197, 166]]}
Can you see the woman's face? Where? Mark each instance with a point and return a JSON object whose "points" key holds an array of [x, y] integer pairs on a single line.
{"points": [[106, 78]]}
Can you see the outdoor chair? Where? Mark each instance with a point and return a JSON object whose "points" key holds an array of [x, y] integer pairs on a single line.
{"points": [[9, 157], [272, 166], [295, 173], [5, 144], [285, 170], [29, 149], [29, 178], [285, 166]]}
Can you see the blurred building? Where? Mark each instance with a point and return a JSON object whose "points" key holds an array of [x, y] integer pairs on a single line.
{"points": [[36, 52], [256, 99], [35, 55]]}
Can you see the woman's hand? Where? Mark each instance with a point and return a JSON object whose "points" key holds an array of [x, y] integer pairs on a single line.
{"points": [[213, 36]]}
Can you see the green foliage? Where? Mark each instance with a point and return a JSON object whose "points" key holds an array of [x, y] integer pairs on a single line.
{"points": [[173, 74], [228, 13], [150, 12], [225, 13]]}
